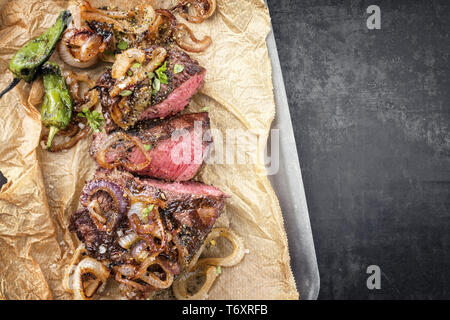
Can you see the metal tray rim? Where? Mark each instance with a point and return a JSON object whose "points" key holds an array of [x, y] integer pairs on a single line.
{"points": [[288, 185]]}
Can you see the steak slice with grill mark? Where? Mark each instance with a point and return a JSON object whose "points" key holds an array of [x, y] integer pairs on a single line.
{"points": [[191, 210], [177, 145], [169, 100]]}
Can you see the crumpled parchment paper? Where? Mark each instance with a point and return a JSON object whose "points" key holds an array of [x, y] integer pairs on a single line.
{"points": [[43, 188]]}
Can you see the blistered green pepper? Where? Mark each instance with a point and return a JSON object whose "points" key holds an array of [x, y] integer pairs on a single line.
{"points": [[27, 61], [56, 110]]}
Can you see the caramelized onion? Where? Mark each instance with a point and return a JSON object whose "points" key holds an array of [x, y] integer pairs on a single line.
{"points": [[94, 16], [73, 82], [180, 285], [157, 58], [151, 278], [140, 252], [114, 139], [203, 8], [72, 141], [90, 100], [208, 266], [124, 60], [128, 240], [118, 196], [238, 248], [133, 22], [91, 267], [148, 233], [196, 46], [67, 280], [125, 274], [80, 47]]}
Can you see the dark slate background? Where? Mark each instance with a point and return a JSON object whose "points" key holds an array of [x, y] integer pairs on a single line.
{"points": [[370, 110]]}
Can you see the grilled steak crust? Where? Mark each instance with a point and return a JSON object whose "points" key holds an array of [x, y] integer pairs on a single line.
{"points": [[177, 145], [189, 215], [169, 100]]}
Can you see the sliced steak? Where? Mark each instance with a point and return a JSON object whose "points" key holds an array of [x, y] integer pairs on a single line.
{"points": [[142, 103], [177, 147], [189, 213]]}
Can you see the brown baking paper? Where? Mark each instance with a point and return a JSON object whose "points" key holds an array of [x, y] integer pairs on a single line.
{"points": [[43, 188]]}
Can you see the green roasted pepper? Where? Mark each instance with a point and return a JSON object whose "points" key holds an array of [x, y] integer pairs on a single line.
{"points": [[56, 110], [28, 59]]}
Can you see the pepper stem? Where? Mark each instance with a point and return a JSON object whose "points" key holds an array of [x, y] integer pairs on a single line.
{"points": [[51, 134], [10, 86]]}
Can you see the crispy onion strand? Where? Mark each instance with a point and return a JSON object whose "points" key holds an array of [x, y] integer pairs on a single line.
{"points": [[67, 281], [133, 22], [93, 268], [124, 61], [196, 45], [208, 266], [152, 279], [203, 9], [80, 47], [180, 285], [80, 134], [114, 139], [238, 248]]}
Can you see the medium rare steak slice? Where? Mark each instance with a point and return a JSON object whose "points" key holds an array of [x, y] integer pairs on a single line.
{"points": [[169, 234], [171, 149], [144, 101]]}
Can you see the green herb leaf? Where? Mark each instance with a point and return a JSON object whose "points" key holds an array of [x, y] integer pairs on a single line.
{"points": [[218, 270], [156, 85], [95, 119], [178, 68], [130, 73], [147, 147], [126, 93], [147, 210], [204, 109], [136, 65], [122, 45], [160, 73]]}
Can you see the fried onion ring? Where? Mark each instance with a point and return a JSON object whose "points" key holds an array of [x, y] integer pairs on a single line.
{"points": [[93, 268], [203, 9], [197, 45], [111, 141], [180, 285]]}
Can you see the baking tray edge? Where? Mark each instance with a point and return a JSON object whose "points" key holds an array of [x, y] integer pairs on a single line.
{"points": [[288, 185]]}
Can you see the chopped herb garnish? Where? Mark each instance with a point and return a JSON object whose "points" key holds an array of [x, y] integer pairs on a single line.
{"points": [[130, 73], [122, 45], [126, 93], [136, 65], [204, 109], [147, 147], [147, 210], [108, 53], [160, 73], [156, 85], [218, 270], [178, 68], [95, 119]]}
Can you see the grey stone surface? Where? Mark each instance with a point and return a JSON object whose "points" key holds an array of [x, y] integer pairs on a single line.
{"points": [[371, 115]]}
